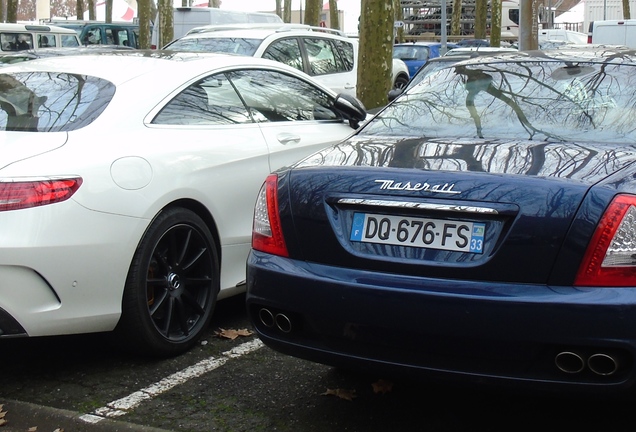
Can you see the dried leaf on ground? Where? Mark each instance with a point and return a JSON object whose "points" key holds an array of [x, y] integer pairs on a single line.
{"points": [[3, 422], [382, 386], [59, 430], [2, 414], [233, 334], [341, 393], [32, 429]]}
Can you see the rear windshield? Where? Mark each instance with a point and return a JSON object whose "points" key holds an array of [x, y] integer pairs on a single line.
{"points": [[51, 102], [551, 101], [240, 46]]}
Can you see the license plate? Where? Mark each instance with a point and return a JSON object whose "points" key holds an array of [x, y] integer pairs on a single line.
{"points": [[419, 232]]}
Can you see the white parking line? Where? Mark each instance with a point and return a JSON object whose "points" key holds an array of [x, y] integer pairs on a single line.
{"points": [[122, 406]]}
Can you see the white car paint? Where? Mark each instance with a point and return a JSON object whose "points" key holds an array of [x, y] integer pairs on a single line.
{"points": [[64, 265]]}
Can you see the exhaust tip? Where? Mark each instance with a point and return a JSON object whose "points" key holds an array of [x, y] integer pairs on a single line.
{"points": [[283, 323], [266, 317], [602, 364], [569, 362]]}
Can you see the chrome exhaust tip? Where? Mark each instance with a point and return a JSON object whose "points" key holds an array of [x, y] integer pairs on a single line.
{"points": [[569, 362], [266, 317], [283, 323], [602, 364]]}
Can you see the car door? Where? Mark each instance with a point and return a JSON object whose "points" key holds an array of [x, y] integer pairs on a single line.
{"points": [[296, 117], [331, 62]]}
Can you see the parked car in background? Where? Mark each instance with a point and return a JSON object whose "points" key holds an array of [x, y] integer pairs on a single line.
{"points": [[26, 55], [19, 37], [102, 33], [613, 32], [479, 229], [561, 35], [416, 54], [128, 180], [480, 50], [327, 55]]}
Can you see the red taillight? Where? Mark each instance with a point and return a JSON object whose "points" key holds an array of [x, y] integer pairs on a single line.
{"points": [[16, 195], [267, 234], [610, 259]]}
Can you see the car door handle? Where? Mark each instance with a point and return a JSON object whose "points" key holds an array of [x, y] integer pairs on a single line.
{"points": [[288, 138]]}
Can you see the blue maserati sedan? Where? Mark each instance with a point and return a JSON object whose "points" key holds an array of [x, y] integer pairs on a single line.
{"points": [[481, 228]]}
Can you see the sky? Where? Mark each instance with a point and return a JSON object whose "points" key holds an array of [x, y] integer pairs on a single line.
{"points": [[351, 9]]}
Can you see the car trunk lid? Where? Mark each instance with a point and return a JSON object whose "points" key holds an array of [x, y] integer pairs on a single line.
{"points": [[470, 209]]}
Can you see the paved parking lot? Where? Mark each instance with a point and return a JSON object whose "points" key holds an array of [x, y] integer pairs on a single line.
{"points": [[73, 383]]}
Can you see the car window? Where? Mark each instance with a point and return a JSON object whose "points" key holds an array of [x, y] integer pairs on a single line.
{"points": [[345, 52], [273, 96], [93, 36], [210, 101], [51, 102], [16, 41], [122, 37], [240, 46], [322, 56], [286, 51], [69, 40], [588, 102], [46, 41]]}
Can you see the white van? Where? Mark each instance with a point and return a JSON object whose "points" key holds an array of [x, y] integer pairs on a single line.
{"points": [[19, 37], [562, 35], [187, 18], [614, 32]]}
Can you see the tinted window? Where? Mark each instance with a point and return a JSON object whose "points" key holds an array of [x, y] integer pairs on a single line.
{"points": [[274, 96], [50, 102], [239, 46], [69, 41], [539, 101], [211, 101], [285, 51], [45, 41]]}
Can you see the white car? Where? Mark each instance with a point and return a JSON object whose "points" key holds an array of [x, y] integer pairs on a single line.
{"points": [[128, 182], [329, 56]]}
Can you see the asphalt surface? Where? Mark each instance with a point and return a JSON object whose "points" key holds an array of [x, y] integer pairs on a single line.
{"points": [[23, 417]]}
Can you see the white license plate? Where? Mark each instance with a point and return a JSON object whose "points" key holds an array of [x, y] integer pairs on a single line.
{"points": [[419, 232]]}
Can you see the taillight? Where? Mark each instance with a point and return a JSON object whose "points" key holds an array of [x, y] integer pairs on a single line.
{"points": [[22, 194], [610, 259], [267, 234]]}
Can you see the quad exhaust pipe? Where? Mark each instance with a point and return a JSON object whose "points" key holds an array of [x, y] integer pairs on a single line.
{"points": [[599, 363], [279, 320]]}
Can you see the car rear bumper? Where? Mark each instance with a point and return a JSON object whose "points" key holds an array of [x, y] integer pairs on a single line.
{"points": [[472, 331]]}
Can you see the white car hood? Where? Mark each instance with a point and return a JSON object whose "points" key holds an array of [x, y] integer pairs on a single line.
{"points": [[17, 146]]}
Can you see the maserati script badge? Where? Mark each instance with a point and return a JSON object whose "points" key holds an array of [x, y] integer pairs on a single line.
{"points": [[446, 188]]}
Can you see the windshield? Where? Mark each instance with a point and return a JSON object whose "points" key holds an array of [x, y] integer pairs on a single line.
{"points": [[410, 52], [51, 102], [553, 101], [240, 46]]}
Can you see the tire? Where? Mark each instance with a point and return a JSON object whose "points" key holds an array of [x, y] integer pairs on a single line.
{"points": [[400, 82], [172, 286]]}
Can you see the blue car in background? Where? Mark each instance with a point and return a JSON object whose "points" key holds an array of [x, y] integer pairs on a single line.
{"points": [[416, 54]]}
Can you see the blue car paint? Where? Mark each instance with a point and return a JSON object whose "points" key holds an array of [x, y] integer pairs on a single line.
{"points": [[423, 51]]}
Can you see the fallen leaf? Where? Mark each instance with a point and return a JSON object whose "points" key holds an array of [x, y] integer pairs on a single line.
{"points": [[59, 430], [2, 414], [382, 386], [341, 393], [32, 429], [3, 422], [233, 334]]}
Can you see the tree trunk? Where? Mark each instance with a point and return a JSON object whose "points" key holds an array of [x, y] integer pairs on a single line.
{"points": [[481, 16], [279, 9], [79, 9], [12, 11], [495, 24], [109, 10], [375, 59], [144, 14], [166, 23], [214, 3], [626, 10], [312, 12], [456, 16], [287, 10], [334, 19]]}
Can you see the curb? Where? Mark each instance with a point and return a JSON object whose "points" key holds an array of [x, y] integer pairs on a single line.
{"points": [[22, 416]]}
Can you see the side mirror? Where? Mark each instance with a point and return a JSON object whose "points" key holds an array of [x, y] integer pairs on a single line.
{"points": [[394, 93], [352, 108]]}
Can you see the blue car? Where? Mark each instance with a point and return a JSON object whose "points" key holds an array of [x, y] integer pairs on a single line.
{"points": [[416, 54], [481, 228]]}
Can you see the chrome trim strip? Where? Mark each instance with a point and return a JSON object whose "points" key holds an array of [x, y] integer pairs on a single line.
{"points": [[414, 205]]}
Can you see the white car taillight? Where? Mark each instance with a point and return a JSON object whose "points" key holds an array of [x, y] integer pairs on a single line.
{"points": [[15, 195], [610, 259], [267, 234]]}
